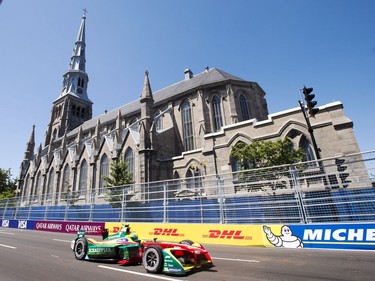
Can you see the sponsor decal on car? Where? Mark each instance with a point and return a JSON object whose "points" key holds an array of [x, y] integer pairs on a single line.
{"points": [[100, 250]]}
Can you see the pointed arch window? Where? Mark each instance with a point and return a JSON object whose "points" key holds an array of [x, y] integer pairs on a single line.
{"points": [[134, 125], [194, 178], [66, 179], [82, 187], [37, 184], [73, 110], [216, 113], [25, 186], [104, 171], [307, 148], [158, 121], [129, 159], [239, 164], [51, 179], [187, 127], [245, 112]]}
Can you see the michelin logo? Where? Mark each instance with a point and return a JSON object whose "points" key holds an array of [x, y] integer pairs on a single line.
{"points": [[285, 240], [340, 234], [5, 223]]}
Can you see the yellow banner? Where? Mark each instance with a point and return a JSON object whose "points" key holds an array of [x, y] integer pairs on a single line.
{"points": [[225, 234]]}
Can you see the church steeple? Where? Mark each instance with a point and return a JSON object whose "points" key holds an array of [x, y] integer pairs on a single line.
{"points": [[73, 106], [76, 79], [29, 153]]}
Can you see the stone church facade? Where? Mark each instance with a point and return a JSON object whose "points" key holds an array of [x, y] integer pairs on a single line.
{"points": [[184, 130]]}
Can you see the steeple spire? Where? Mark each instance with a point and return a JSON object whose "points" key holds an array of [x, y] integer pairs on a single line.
{"points": [[29, 153], [146, 92], [73, 106], [76, 78]]}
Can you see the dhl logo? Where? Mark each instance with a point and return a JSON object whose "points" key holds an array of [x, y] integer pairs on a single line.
{"points": [[166, 232], [227, 234]]}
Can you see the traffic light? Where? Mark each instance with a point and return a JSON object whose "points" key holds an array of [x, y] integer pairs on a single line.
{"points": [[309, 100], [341, 168]]}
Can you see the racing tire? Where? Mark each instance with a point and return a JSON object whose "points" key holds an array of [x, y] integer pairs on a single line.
{"points": [[80, 248], [153, 259], [186, 242]]}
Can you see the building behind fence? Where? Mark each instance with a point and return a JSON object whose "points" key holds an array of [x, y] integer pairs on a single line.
{"points": [[338, 189]]}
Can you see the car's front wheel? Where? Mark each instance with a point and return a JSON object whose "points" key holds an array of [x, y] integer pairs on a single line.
{"points": [[153, 259], [80, 248]]}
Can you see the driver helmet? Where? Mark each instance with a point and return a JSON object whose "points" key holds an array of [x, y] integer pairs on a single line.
{"points": [[134, 237]]}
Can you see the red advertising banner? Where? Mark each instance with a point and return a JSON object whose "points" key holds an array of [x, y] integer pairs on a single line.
{"points": [[91, 228]]}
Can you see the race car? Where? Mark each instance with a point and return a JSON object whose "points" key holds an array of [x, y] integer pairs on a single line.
{"points": [[125, 248], [120, 250]]}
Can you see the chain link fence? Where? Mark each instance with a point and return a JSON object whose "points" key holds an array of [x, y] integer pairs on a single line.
{"points": [[337, 189]]}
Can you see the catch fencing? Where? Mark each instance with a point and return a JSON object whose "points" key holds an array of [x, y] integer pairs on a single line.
{"points": [[339, 189]]}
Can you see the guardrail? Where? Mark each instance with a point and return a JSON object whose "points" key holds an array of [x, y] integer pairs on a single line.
{"points": [[339, 189]]}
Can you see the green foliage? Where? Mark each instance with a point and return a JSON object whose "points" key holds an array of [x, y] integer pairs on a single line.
{"points": [[260, 154], [116, 181], [7, 184]]}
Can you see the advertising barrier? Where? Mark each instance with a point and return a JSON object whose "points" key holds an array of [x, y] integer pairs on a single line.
{"points": [[333, 236], [21, 224], [249, 235], [92, 228]]}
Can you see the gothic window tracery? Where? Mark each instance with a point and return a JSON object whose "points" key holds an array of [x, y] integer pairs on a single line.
{"points": [[187, 127]]}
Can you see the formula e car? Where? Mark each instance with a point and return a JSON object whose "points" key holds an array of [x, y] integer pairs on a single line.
{"points": [[125, 248], [120, 250]]}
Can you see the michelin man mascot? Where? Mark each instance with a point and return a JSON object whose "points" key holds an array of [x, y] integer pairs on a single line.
{"points": [[285, 240]]}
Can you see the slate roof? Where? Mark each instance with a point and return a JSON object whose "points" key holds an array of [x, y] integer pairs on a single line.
{"points": [[207, 77]]}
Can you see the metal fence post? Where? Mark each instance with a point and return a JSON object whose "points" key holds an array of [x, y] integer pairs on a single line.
{"points": [[220, 200], [5, 208], [165, 203], [123, 203], [92, 204], [293, 172]]}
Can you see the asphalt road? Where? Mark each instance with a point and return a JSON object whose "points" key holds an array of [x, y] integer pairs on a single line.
{"points": [[45, 256]]}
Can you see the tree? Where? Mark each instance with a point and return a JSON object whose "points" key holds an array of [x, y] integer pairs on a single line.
{"points": [[7, 184], [119, 176], [262, 154]]}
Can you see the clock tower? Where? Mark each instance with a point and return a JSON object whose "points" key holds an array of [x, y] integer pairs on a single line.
{"points": [[73, 106]]}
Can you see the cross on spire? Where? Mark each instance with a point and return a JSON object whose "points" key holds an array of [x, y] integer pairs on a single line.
{"points": [[84, 12]]}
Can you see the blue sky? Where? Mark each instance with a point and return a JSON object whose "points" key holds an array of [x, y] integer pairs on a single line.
{"points": [[281, 44]]}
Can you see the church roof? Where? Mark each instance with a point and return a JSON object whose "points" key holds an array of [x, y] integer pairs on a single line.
{"points": [[205, 78]]}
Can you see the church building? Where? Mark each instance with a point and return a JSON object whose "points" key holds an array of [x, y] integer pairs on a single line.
{"points": [[182, 131]]}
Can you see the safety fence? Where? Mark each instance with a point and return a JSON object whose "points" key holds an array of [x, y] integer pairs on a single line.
{"points": [[339, 189]]}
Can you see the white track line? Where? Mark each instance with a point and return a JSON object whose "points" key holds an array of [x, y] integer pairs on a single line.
{"points": [[61, 240], [227, 259], [6, 233], [7, 246]]}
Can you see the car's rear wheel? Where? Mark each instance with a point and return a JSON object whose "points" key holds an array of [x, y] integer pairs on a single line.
{"points": [[187, 242], [80, 248], [153, 259]]}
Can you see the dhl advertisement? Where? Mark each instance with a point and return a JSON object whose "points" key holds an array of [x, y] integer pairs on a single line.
{"points": [[245, 235]]}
